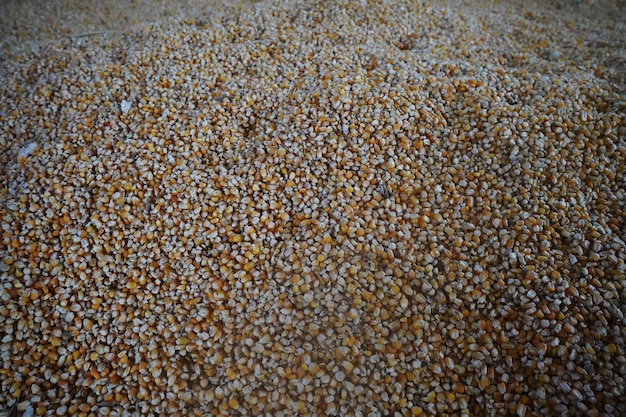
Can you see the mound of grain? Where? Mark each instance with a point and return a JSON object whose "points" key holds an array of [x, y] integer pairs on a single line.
{"points": [[342, 208]]}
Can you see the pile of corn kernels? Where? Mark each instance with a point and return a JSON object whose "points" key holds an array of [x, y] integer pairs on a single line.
{"points": [[314, 208]]}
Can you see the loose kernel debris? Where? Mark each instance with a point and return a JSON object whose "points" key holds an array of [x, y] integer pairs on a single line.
{"points": [[313, 209]]}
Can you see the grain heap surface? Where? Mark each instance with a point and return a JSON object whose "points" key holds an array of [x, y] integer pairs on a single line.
{"points": [[313, 209]]}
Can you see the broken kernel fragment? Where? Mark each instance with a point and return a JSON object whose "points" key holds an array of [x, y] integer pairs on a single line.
{"points": [[233, 403], [315, 208]]}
